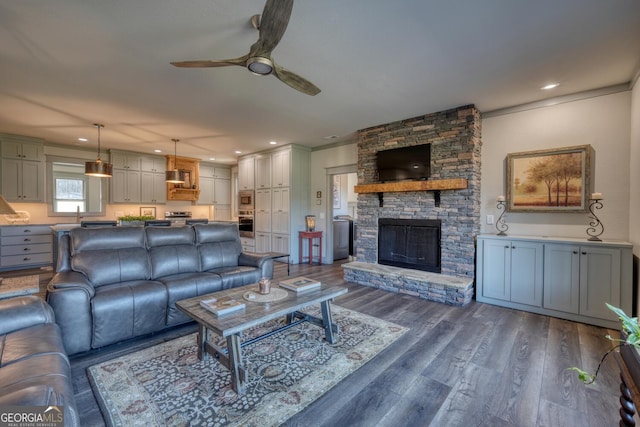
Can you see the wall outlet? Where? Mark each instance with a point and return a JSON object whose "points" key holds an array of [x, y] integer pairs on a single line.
{"points": [[490, 219]]}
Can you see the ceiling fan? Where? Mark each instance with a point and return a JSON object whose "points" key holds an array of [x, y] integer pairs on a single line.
{"points": [[271, 26]]}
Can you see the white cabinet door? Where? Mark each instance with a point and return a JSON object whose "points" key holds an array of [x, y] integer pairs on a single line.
{"points": [[206, 190], [263, 210], [280, 210], [599, 281], [281, 165], [153, 164], [246, 173], [221, 191], [280, 243], [152, 188], [12, 179], [562, 277], [127, 161], [263, 242], [125, 186], [263, 172], [32, 179]]}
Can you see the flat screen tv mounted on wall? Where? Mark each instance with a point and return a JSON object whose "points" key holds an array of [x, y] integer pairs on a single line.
{"points": [[408, 163]]}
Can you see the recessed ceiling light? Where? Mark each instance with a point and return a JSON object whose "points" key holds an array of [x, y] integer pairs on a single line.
{"points": [[331, 137], [212, 158], [550, 86], [272, 142], [83, 139], [157, 151], [238, 152]]}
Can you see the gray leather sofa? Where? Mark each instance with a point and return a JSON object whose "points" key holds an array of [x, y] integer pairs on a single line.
{"points": [[34, 368], [117, 283]]}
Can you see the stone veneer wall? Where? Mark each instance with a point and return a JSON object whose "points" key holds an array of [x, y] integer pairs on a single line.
{"points": [[455, 141]]}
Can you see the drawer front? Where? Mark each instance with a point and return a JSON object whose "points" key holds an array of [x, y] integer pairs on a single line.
{"points": [[25, 230], [19, 260], [27, 239], [36, 248]]}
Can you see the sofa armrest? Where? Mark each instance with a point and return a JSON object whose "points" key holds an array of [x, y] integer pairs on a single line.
{"points": [[22, 312], [263, 262], [69, 293]]}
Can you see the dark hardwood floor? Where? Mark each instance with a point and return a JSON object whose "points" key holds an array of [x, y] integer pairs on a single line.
{"points": [[478, 365]]}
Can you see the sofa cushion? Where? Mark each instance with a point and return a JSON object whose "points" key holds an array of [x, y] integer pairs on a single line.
{"points": [[169, 236], [187, 285], [110, 255], [172, 251], [31, 342], [46, 393], [126, 310]]}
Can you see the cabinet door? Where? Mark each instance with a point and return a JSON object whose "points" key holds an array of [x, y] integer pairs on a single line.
{"points": [[263, 242], [280, 210], [32, 179], [207, 171], [263, 210], [221, 191], [11, 150], [562, 277], [125, 186], [12, 179], [246, 174], [280, 243], [206, 191], [152, 188], [152, 164], [496, 269], [125, 161], [222, 173], [526, 272], [281, 163], [263, 172], [32, 152], [599, 281]]}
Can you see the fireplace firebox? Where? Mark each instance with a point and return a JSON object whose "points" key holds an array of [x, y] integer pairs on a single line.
{"points": [[410, 243]]}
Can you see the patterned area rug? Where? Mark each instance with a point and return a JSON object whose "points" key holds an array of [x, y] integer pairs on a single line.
{"points": [[166, 385]]}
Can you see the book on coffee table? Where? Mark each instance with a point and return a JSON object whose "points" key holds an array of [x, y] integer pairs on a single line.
{"points": [[299, 284], [222, 307]]}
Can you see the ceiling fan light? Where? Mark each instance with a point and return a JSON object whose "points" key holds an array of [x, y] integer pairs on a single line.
{"points": [[259, 65], [174, 176]]}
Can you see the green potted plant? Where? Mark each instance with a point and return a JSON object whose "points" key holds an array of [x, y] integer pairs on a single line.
{"points": [[134, 219], [630, 336]]}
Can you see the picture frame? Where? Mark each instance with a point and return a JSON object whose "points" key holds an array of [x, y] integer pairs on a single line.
{"points": [[148, 211], [552, 180], [336, 191]]}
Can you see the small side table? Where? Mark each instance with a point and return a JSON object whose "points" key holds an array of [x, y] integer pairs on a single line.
{"points": [[311, 235]]}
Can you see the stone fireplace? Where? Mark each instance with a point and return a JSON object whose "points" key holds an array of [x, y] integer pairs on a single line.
{"points": [[455, 141]]}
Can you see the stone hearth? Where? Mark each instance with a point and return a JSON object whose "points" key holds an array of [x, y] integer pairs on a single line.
{"points": [[455, 141]]}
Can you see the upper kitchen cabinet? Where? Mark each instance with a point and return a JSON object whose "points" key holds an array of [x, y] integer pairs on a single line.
{"points": [[126, 161], [263, 172], [190, 189], [155, 164], [22, 168], [215, 185], [246, 173], [280, 162]]}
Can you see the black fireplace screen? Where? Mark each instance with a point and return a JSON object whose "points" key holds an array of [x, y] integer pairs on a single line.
{"points": [[409, 243]]}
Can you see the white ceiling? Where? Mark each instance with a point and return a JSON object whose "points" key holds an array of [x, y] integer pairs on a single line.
{"points": [[66, 64]]}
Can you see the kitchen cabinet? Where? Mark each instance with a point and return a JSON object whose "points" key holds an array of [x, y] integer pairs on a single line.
{"points": [[263, 241], [280, 200], [124, 160], [570, 278], [153, 188], [25, 246], [263, 171], [153, 164], [263, 211], [280, 243], [22, 169], [280, 161], [248, 244], [125, 186], [215, 185], [246, 173]]}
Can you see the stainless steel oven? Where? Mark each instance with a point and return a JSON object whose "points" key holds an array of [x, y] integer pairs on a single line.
{"points": [[246, 213], [245, 223]]}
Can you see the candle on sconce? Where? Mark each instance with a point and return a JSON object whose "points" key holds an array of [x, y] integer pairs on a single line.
{"points": [[501, 198], [596, 196]]}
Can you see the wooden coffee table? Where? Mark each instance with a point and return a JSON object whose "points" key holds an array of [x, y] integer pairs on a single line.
{"points": [[232, 325]]}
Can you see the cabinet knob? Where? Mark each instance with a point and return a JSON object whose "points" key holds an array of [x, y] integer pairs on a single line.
{"points": [[575, 252], [513, 247], [584, 253], [26, 259], [27, 239], [26, 230], [506, 247], [26, 249]]}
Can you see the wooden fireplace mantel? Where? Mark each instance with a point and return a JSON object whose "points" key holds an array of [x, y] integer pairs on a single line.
{"points": [[435, 185]]}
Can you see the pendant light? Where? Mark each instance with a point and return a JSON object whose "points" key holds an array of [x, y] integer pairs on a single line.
{"points": [[98, 168], [175, 176]]}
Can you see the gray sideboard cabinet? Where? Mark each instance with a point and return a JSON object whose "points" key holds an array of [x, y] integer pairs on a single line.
{"points": [[569, 278]]}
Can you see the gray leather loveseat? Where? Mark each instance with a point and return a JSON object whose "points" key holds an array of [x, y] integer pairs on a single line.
{"points": [[34, 368], [116, 283]]}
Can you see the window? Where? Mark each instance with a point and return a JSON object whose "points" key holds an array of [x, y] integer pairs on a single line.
{"points": [[71, 191]]}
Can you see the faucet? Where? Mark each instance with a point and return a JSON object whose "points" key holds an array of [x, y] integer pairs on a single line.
{"points": [[78, 217]]}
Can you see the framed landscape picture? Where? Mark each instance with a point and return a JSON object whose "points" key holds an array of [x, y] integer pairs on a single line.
{"points": [[556, 180]]}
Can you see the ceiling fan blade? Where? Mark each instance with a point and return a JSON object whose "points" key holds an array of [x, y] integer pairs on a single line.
{"points": [[273, 24], [295, 81], [212, 63]]}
